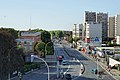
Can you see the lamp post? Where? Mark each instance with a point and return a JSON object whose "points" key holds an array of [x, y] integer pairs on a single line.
{"points": [[9, 60], [33, 56], [97, 66]]}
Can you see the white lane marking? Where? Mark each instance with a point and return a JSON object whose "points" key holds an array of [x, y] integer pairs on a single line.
{"points": [[80, 70], [67, 70]]}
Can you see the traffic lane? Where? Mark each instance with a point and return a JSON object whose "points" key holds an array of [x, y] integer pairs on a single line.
{"points": [[67, 68], [74, 53], [41, 74], [59, 50], [74, 69], [89, 65], [34, 75]]}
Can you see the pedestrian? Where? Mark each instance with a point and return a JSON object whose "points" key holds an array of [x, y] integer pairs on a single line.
{"points": [[109, 67]]}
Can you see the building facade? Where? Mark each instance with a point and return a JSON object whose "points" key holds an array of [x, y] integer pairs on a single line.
{"points": [[36, 36], [28, 40], [93, 33], [111, 27], [89, 16], [118, 25], [77, 30], [103, 19]]}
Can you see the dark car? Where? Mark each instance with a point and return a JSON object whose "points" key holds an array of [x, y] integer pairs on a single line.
{"points": [[68, 77]]}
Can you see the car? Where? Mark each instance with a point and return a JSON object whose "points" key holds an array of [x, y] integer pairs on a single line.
{"points": [[68, 77], [64, 63], [101, 54]]}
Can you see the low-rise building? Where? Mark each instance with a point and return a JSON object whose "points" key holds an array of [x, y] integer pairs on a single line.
{"points": [[28, 40]]}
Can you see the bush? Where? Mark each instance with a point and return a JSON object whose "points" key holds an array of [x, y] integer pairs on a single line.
{"points": [[49, 48], [30, 66]]}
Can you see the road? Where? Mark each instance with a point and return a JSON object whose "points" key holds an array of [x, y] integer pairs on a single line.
{"points": [[73, 59], [89, 65], [41, 74], [73, 65]]}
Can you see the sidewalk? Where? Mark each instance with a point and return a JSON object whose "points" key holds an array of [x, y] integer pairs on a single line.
{"points": [[113, 72]]}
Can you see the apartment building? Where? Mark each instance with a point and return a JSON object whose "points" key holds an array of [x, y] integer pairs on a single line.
{"points": [[77, 30], [103, 19], [111, 27], [117, 28], [118, 24], [93, 33], [89, 16]]}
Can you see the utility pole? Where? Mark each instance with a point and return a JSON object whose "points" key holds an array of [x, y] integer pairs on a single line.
{"points": [[57, 69]]}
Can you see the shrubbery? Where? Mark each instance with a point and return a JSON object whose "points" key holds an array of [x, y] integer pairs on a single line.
{"points": [[30, 66]]}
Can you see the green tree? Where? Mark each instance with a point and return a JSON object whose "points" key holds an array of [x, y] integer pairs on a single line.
{"points": [[19, 33], [49, 48], [10, 60], [76, 39], [52, 33], [59, 34], [11, 31], [45, 36], [40, 48], [37, 30], [70, 39]]}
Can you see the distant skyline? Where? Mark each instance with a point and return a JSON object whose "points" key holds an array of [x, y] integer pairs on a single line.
{"points": [[51, 14]]}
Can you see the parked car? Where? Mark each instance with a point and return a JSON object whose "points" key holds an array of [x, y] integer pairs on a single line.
{"points": [[117, 56], [68, 77], [110, 53], [100, 54]]}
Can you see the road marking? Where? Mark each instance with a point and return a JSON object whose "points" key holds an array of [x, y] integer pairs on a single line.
{"points": [[99, 64], [80, 70], [67, 69]]}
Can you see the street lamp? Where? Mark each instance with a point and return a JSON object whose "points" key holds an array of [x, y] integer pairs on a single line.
{"points": [[9, 60], [32, 58], [97, 66]]}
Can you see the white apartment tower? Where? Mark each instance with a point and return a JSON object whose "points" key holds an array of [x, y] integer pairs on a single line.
{"points": [[118, 25], [77, 30]]}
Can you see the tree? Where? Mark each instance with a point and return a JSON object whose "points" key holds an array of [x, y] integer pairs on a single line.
{"points": [[45, 36], [40, 48], [19, 33], [37, 30], [11, 31], [76, 39], [49, 48], [52, 33], [10, 59], [70, 39], [59, 34]]}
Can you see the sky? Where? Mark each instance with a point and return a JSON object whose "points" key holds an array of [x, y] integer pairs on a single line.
{"points": [[51, 14]]}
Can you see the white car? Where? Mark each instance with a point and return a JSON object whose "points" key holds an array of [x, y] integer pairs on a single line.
{"points": [[101, 54]]}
